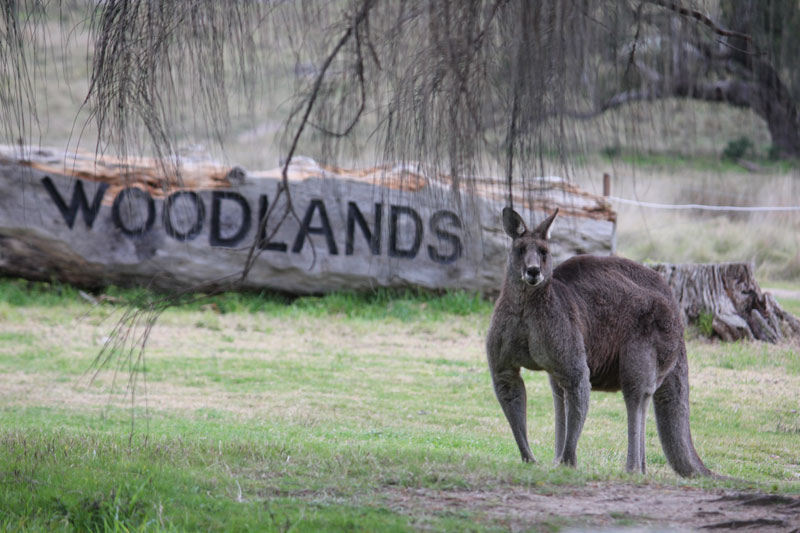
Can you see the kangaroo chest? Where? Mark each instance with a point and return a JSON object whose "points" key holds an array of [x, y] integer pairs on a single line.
{"points": [[554, 340], [543, 350], [537, 333], [533, 345]]}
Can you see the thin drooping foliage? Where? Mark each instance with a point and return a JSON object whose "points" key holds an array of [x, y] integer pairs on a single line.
{"points": [[462, 87], [20, 43], [152, 58]]}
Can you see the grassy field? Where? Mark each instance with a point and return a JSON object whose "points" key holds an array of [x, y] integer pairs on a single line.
{"points": [[347, 412]]}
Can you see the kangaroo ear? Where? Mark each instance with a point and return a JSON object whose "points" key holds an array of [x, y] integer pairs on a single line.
{"points": [[543, 229], [513, 223]]}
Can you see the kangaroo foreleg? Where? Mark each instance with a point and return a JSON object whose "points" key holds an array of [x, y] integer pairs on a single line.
{"points": [[642, 434], [576, 396], [510, 390], [560, 416]]}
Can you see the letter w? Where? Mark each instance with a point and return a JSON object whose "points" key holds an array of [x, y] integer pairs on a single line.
{"points": [[78, 201]]}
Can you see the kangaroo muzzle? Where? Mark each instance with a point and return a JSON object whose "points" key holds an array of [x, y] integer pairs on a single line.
{"points": [[532, 275]]}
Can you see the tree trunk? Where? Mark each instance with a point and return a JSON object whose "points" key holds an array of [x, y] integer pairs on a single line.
{"points": [[772, 99], [728, 295]]}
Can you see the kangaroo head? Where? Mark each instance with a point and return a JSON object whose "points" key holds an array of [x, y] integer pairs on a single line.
{"points": [[530, 253]]}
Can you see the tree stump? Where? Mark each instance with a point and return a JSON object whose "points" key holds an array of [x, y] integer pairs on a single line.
{"points": [[729, 293]]}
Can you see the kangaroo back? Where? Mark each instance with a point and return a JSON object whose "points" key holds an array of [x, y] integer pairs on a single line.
{"points": [[618, 303]]}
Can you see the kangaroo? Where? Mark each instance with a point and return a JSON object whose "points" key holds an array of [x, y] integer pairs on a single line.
{"points": [[603, 323]]}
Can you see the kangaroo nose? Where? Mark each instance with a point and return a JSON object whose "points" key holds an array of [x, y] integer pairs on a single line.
{"points": [[533, 271]]}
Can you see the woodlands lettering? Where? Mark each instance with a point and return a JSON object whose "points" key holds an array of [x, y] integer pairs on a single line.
{"points": [[443, 225]]}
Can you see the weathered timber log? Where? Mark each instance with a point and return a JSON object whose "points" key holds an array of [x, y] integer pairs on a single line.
{"points": [[94, 221], [738, 307]]}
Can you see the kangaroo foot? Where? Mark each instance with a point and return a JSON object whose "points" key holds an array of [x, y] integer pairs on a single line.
{"points": [[567, 460], [636, 469], [528, 458]]}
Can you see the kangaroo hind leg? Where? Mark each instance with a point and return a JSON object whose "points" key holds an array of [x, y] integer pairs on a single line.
{"points": [[636, 405], [638, 369], [576, 387]]}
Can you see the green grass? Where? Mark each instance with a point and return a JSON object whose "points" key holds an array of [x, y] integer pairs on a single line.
{"points": [[677, 161], [793, 306], [161, 484], [788, 303], [380, 304], [330, 413], [21, 292]]}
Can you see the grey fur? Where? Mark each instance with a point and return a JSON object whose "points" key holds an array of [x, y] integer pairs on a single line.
{"points": [[603, 323]]}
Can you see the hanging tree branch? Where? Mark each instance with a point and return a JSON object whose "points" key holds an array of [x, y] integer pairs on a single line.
{"points": [[700, 17], [352, 29]]}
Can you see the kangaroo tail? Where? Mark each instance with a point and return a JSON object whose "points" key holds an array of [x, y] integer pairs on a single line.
{"points": [[671, 404]]}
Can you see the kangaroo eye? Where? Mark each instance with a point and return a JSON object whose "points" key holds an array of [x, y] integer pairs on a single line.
{"points": [[520, 251], [542, 252]]}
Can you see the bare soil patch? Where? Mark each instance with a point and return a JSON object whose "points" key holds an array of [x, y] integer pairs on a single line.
{"points": [[606, 505]]}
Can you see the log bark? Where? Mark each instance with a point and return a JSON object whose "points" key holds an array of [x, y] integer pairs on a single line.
{"points": [[97, 221], [730, 295]]}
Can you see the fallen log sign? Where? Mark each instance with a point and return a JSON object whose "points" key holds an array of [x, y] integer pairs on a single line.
{"points": [[98, 221]]}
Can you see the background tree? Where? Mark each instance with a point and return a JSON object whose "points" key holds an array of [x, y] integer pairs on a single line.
{"points": [[741, 53]]}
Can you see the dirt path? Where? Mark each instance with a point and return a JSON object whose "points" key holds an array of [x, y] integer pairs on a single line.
{"points": [[607, 505]]}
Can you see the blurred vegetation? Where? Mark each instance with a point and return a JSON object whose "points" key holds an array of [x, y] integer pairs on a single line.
{"points": [[738, 148]]}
